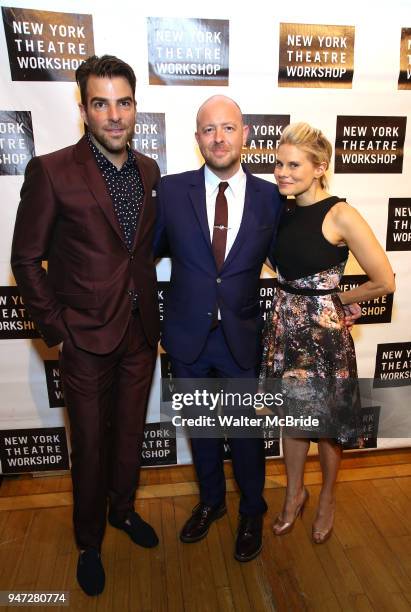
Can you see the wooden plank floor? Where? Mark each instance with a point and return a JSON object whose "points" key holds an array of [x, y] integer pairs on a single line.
{"points": [[366, 564]]}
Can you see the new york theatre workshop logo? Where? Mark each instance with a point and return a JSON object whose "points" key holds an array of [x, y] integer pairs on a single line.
{"points": [[263, 137], [188, 51], [316, 55], [150, 137], [46, 46], [16, 142], [393, 365], [159, 444], [369, 144], [33, 450], [15, 321], [399, 224], [377, 310]]}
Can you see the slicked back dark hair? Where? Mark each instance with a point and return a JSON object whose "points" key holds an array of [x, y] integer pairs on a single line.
{"points": [[104, 66]]}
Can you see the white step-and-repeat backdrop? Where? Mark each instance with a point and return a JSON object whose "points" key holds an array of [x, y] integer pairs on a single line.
{"points": [[346, 70]]}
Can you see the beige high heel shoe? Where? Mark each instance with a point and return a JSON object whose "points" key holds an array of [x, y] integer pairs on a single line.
{"points": [[281, 527], [319, 536]]}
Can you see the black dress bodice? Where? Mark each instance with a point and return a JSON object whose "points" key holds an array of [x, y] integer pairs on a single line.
{"points": [[301, 249]]}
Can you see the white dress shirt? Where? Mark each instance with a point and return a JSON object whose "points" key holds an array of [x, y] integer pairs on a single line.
{"points": [[235, 194]]}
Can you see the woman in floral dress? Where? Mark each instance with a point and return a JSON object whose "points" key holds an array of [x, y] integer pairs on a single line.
{"points": [[306, 341]]}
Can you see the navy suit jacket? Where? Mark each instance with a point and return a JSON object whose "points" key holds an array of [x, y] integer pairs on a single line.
{"points": [[196, 287]]}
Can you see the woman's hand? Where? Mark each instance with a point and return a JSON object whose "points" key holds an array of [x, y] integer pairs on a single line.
{"points": [[352, 313]]}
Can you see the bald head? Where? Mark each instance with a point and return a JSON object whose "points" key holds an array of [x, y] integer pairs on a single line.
{"points": [[221, 135], [216, 102]]}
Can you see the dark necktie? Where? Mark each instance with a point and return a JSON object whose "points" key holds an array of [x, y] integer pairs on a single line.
{"points": [[220, 226]]}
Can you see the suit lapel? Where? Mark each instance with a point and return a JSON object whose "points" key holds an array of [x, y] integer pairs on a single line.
{"points": [[147, 196], [251, 201], [96, 184], [198, 199]]}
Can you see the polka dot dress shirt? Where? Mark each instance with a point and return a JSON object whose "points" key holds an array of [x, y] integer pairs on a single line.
{"points": [[126, 190]]}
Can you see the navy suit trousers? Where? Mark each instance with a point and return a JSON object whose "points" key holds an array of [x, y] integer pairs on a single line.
{"points": [[247, 454]]}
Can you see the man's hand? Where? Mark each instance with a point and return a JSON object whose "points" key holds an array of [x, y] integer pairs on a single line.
{"points": [[352, 313]]}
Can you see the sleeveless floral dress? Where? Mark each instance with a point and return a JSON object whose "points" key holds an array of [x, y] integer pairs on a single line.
{"points": [[307, 345]]}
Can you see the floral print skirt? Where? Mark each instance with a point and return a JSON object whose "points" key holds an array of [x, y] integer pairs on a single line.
{"points": [[307, 345]]}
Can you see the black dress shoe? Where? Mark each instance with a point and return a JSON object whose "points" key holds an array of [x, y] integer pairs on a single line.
{"points": [[90, 572], [249, 537], [139, 531], [197, 526]]}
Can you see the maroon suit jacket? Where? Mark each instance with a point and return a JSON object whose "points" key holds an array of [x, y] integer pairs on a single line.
{"points": [[66, 217]]}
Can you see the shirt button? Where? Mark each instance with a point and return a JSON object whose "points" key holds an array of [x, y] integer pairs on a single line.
{"points": [[131, 257], [219, 280], [129, 292]]}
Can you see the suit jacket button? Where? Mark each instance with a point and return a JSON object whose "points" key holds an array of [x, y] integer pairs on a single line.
{"points": [[219, 280], [210, 314]]}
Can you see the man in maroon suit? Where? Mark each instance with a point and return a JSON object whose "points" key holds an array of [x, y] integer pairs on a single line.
{"points": [[89, 210]]}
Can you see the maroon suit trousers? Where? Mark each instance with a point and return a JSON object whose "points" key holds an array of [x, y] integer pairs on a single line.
{"points": [[106, 398]]}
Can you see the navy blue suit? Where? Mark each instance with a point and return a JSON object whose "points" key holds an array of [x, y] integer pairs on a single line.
{"points": [[196, 290]]}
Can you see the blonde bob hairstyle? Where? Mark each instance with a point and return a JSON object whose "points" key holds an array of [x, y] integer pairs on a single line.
{"points": [[312, 141]]}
